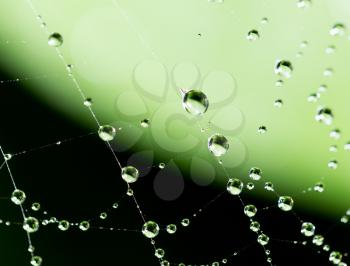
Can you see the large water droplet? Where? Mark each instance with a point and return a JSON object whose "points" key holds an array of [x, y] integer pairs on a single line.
{"points": [[324, 115], [234, 186], [130, 174], [285, 203], [18, 197], [150, 229], [307, 229], [55, 40], [253, 35], [106, 132], [31, 224], [284, 68], [338, 29], [195, 102], [218, 144]]}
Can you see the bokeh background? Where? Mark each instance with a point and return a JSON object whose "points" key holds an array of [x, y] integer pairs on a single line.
{"points": [[131, 58]]}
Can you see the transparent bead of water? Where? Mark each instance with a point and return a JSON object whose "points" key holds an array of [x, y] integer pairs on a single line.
{"points": [[84, 226], [31, 224], [328, 72], [254, 226], [338, 29], [88, 102], [171, 228], [103, 215], [253, 35], [269, 186], [18, 197], [279, 83], [130, 192], [285, 203], [344, 219], [333, 148], [159, 253], [106, 132], [150, 229], [284, 68], [234, 186], [347, 146], [63, 225], [326, 247], [165, 263], [250, 186], [304, 4], [250, 210], [322, 88], [130, 174], [161, 165], [307, 229], [303, 44], [319, 187], [264, 20], [278, 103], [36, 261], [262, 129], [318, 240], [255, 173], [330, 49], [31, 248], [185, 222], [335, 134], [35, 206], [313, 97], [324, 115], [115, 205], [335, 257], [55, 40], [333, 164], [263, 239], [195, 102], [7, 156], [218, 144], [145, 123]]}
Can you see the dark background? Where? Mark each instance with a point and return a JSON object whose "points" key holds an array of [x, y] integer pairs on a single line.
{"points": [[79, 179]]}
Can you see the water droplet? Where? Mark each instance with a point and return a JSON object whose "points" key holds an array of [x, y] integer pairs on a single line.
{"points": [[284, 68], [84, 226], [159, 253], [18, 197], [278, 103], [333, 148], [31, 248], [130, 174], [337, 30], [254, 226], [106, 132], [218, 144], [195, 102], [335, 134], [253, 35], [319, 187], [344, 219], [322, 88], [185, 222], [318, 240], [304, 4], [255, 173], [234, 186], [161, 165], [347, 146], [269, 186], [130, 192], [31, 224], [88, 102], [335, 257], [333, 164], [304, 44], [115, 205], [307, 229], [285, 203], [250, 186], [145, 123], [171, 228], [262, 130], [263, 239], [250, 210], [36, 261], [55, 40], [165, 262], [150, 229], [8, 156], [330, 49], [35, 206], [103, 215], [63, 225], [313, 97], [279, 83], [264, 21], [328, 72], [324, 115]]}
